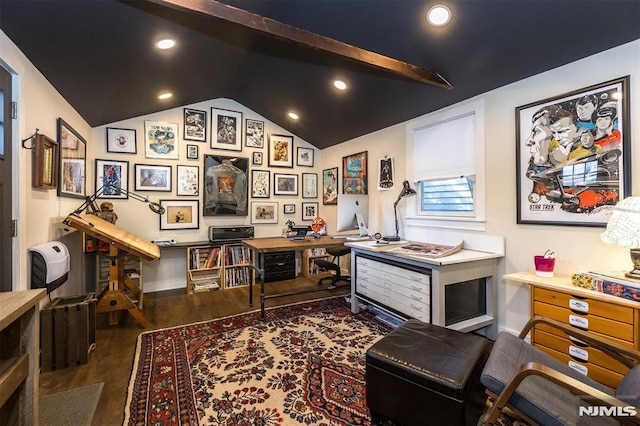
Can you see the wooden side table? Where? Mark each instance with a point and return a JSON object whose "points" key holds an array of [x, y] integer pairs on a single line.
{"points": [[19, 356], [612, 317]]}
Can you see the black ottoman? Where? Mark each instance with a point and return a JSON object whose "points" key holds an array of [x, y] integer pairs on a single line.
{"points": [[422, 374]]}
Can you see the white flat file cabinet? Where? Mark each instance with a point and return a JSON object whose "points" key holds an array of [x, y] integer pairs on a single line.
{"points": [[457, 291]]}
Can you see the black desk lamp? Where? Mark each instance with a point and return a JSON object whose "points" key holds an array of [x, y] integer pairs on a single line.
{"points": [[407, 191], [89, 202]]}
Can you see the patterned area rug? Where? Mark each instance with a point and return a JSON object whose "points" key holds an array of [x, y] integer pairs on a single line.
{"points": [[304, 364]]}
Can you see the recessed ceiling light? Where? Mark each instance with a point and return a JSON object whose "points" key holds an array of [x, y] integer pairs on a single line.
{"points": [[293, 115], [165, 43], [439, 15], [165, 95], [340, 85]]}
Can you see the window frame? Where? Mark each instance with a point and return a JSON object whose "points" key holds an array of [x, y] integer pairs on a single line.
{"points": [[463, 221]]}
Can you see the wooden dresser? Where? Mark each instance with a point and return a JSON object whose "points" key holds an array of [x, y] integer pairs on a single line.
{"points": [[612, 317]]}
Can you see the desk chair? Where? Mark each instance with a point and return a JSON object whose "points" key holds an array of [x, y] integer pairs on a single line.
{"points": [[334, 265], [542, 390]]}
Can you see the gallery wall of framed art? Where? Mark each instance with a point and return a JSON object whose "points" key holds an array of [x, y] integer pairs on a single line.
{"points": [[216, 153]]}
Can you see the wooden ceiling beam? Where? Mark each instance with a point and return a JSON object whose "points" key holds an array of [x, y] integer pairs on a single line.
{"points": [[307, 39]]}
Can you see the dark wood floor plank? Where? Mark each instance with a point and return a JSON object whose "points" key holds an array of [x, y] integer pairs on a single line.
{"points": [[112, 359]]}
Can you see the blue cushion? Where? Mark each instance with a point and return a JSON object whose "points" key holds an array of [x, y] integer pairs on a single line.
{"points": [[539, 399], [629, 389]]}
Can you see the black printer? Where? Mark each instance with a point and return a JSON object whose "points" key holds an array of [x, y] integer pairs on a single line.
{"points": [[227, 234]]}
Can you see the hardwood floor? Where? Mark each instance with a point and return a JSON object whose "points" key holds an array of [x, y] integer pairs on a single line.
{"points": [[112, 359]]}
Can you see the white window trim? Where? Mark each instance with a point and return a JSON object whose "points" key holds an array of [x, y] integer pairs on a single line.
{"points": [[477, 223]]}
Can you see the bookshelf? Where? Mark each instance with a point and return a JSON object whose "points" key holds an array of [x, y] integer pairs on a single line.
{"points": [[204, 269], [217, 267], [237, 258], [309, 256]]}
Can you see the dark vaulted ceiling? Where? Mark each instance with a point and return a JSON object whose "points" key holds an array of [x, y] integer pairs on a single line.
{"points": [[99, 55]]}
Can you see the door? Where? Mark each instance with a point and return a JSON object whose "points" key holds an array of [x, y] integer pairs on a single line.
{"points": [[6, 222]]}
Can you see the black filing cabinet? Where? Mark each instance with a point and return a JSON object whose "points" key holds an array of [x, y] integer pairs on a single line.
{"points": [[279, 266]]}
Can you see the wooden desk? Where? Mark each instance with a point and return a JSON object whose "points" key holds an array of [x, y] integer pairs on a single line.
{"points": [[19, 356], [260, 246], [113, 299]]}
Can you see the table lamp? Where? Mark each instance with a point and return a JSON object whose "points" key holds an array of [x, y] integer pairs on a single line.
{"points": [[623, 229], [407, 191]]}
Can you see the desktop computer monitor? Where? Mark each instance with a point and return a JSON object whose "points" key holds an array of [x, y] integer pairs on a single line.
{"points": [[353, 212]]}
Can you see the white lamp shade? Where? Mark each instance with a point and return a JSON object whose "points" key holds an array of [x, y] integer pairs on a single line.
{"points": [[623, 228]]}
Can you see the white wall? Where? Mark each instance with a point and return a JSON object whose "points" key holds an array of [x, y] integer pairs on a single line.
{"points": [[40, 212], [577, 248], [134, 216]]}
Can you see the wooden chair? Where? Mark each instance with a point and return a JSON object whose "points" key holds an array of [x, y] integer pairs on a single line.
{"points": [[542, 390]]}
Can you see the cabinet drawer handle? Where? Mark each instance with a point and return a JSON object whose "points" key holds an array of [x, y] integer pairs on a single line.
{"points": [[418, 298], [579, 353], [416, 288], [582, 369], [579, 321], [578, 305], [417, 308]]}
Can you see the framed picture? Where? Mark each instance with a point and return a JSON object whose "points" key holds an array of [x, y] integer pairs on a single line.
{"points": [[225, 186], [305, 157], [179, 214], [161, 140], [192, 152], [195, 125], [150, 177], [309, 185], [188, 181], [112, 176], [285, 184], [46, 159], [289, 208], [122, 141], [385, 173], [260, 180], [73, 162], [309, 211], [226, 129], [573, 156], [354, 174], [254, 137], [330, 186], [264, 212], [256, 159], [280, 151]]}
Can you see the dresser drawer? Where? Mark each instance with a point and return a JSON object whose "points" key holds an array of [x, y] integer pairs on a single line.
{"points": [[555, 331], [578, 351], [597, 373], [416, 291], [391, 272], [590, 322], [405, 305], [584, 305]]}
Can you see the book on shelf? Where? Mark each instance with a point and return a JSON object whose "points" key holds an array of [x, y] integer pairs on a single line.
{"points": [[427, 250], [213, 260], [613, 283], [198, 288]]}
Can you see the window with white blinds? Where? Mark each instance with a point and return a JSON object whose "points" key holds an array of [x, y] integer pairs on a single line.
{"points": [[446, 157]]}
